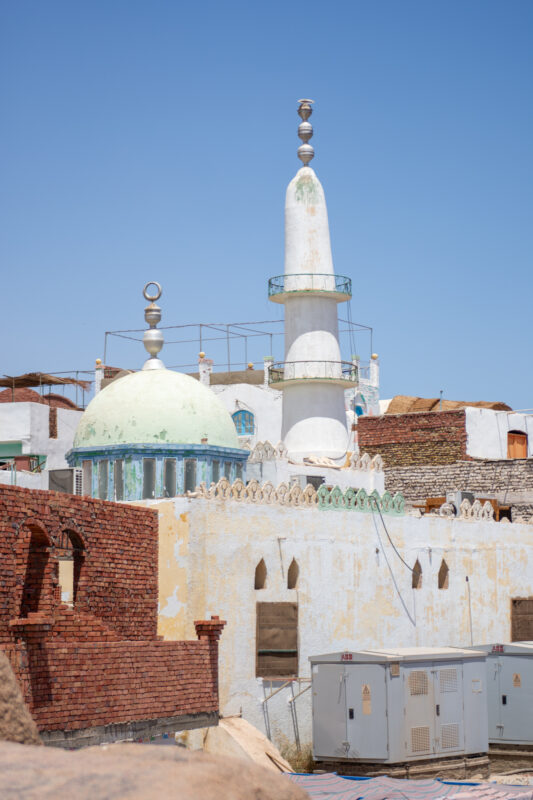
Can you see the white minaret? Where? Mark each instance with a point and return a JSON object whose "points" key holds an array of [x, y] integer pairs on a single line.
{"points": [[313, 377]]}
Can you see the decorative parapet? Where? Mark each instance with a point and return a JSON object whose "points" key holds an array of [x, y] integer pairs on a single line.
{"points": [[284, 495], [359, 500], [469, 512], [265, 451], [475, 511]]}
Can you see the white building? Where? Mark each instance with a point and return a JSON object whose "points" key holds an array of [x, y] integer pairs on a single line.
{"points": [[35, 434]]}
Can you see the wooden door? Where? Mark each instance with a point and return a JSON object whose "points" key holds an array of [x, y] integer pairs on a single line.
{"points": [[516, 445]]}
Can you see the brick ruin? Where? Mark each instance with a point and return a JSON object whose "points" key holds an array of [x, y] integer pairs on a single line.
{"points": [[413, 439], [93, 668]]}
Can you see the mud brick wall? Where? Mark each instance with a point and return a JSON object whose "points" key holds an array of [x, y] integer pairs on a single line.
{"points": [[117, 569], [438, 437], [486, 478]]}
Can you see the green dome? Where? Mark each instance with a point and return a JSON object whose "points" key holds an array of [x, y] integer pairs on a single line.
{"points": [[155, 406]]}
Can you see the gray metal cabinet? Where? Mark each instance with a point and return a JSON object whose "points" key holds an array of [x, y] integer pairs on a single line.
{"points": [[392, 706], [510, 692]]}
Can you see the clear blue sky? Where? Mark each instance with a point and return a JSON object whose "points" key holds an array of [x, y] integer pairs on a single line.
{"points": [[154, 140]]}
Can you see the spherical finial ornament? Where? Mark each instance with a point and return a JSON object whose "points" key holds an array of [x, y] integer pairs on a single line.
{"points": [[374, 356], [305, 131], [306, 153], [201, 354], [98, 362]]}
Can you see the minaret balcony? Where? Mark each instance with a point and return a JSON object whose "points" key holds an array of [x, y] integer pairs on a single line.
{"points": [[310, 284], [288, 373]]}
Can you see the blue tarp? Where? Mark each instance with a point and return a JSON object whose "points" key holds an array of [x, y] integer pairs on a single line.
{"points": [[331, 786]]}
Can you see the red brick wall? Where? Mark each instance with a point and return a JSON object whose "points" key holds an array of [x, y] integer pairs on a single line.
{"points": [[118, 575], [101, 662], [437, 437], [77, 685]]}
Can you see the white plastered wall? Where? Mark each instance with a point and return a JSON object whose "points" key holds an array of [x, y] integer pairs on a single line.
{"points": [[487, 431], [353, 591], [264, 403], [29, 423]]}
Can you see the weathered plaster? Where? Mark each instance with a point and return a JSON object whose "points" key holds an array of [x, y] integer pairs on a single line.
{"points": [[353, 591]]}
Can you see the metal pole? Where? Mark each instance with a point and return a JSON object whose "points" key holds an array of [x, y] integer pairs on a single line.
{"points": [[105, 349], [201, 337], [228, 348]]}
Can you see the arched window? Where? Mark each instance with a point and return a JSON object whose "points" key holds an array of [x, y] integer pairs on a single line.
{"points": [[292, 575], [444, 575], [359, 405], [34, 580], [260, 575], [244, 422], [516, 444], [416, 581]]}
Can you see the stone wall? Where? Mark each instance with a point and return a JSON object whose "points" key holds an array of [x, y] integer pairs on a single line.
{"points": [[437, 437], [99, 664], [502, 479], [508, 481]]}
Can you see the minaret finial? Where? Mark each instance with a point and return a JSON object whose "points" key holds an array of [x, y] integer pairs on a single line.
{"points": [[153, 338], [305, 131]]}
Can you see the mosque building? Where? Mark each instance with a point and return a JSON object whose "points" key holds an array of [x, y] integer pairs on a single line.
{"points": [[155, 433]]}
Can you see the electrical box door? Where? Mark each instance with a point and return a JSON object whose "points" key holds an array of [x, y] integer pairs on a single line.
{"points": [[449, 714], [516, 699], [329, 710], [419, 707], [366, 711]]}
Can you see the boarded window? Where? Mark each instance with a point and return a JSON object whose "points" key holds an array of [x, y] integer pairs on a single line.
{"points": [[416, 578], [169, 478], [522, 619], [119, 479], [277, 640], [238, 470], [516, 444], [444, 575], [216, 471], [227, 470], [148, 478]]}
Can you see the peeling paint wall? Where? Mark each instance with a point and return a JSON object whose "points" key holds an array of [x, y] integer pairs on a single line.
{"points": [[353, 591]]}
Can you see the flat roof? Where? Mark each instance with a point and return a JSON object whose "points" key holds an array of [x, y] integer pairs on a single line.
{"points": [[399, 654], [500, 648]]}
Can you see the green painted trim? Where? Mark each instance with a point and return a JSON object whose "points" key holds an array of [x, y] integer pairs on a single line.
{"points": [[10, 449]]}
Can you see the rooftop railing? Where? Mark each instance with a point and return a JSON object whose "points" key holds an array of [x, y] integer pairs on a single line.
{"points": [[283, 372], [311, 283]]}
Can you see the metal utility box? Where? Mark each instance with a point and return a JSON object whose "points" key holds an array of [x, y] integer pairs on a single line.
{"points": [[510, 692], [392, 706]]}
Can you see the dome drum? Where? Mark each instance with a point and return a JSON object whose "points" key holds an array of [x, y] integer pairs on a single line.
{"points": [[134, 472]]}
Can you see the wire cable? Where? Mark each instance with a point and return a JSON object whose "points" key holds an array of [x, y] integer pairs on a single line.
{"points": [[373, 502]]}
